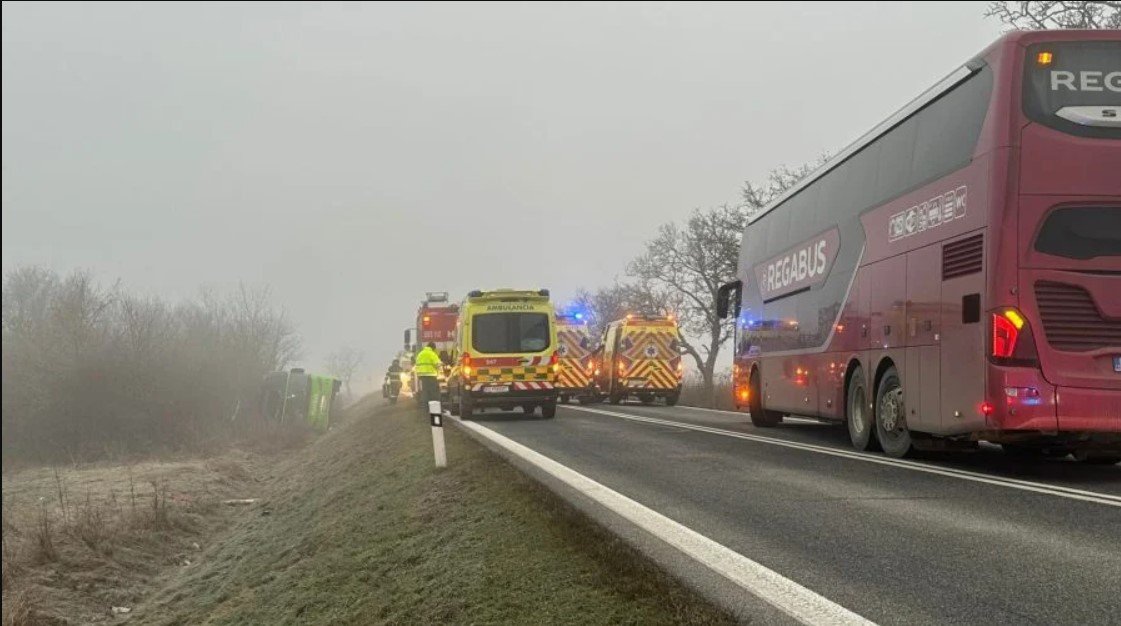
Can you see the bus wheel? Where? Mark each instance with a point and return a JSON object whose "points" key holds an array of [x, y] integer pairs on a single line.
{"points": [[549, 410], [858, 415], [891, 416], [1090, 458], [761, 417], [1033, 452]]}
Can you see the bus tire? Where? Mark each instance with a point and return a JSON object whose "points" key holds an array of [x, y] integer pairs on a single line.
{"points": [[858, 415], [1090, 458], [760, 417], [1017, 451], [891, 416], [549, 409]]}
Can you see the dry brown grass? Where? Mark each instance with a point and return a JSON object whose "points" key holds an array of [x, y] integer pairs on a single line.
{"points": [[80, 540], [693, 394], [19, 607]]}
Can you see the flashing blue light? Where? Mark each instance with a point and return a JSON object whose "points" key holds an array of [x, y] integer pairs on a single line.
{"points": [[579, 316]]}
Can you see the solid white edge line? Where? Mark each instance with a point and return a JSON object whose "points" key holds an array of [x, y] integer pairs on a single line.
{"points": [[784, 594], [788, 418], [1011, 483]]}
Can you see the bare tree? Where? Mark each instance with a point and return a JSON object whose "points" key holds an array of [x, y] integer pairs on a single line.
{"points": [[683, 267], [607, 304], [1056, 14], [757, 195], [343, 363]]}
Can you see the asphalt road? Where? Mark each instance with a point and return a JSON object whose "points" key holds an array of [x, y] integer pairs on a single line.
{"points": [[974, 538]]}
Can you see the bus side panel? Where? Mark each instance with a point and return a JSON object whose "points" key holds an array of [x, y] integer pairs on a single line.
{"points": [[924, 311], [963, 353]]}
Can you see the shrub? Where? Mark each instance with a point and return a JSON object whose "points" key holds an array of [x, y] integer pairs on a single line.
{"points": [[89, 370]]}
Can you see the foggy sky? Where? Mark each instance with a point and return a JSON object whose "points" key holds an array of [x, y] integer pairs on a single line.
{"points": [[379, 151]]}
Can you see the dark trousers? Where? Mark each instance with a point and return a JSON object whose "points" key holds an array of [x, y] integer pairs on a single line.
{"points": [[429, 390]]}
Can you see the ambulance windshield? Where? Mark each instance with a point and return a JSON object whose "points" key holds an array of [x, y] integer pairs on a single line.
{"points": [[503, 333]]}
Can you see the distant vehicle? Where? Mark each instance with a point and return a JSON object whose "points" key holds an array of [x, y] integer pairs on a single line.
{"points": [[505, 353], [296, 395], [641, 357], [576, 348], [435, 322], [955, 274]]}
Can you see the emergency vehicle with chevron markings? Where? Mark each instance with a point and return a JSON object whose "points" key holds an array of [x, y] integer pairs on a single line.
{"points": [[505, 353], [641, 357], [576, 348]]}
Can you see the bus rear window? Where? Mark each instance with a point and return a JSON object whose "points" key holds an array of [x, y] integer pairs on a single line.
{"points": [[1075, 87], [504, 333], [1081, 233]]}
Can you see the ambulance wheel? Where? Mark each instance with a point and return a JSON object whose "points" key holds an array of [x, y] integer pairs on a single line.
{"points": [[466, 406], [646, 398], [529, 408], [760, 417], [549, 410], [672, 398], [615, 397]]}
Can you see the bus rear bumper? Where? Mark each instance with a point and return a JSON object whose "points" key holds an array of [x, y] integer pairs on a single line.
{"points": [[1023, 402], [1089, 410]]}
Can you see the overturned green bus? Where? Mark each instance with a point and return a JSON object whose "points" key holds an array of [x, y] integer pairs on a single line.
{"points": [[296, 395]]}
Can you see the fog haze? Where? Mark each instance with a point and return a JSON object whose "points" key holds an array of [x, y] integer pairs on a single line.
{"points": [[375, 152]]}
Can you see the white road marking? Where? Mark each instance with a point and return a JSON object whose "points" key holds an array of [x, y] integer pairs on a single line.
{"points": [[786, 595], [1011, 483], [788, 418]]}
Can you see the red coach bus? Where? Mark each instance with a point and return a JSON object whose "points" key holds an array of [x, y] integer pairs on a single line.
{"points": [[953, 276]]}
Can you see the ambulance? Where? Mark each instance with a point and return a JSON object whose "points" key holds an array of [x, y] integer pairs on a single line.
{"points": [[576, 349], [641, 357], [505, 353]]}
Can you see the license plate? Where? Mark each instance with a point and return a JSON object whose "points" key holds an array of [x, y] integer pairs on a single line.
{"points": [[496, 389], [1117, 363], [636, 383]]}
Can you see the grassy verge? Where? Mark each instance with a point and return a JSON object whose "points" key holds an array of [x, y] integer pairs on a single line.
{"points": [[79, 541], [360, 528]]}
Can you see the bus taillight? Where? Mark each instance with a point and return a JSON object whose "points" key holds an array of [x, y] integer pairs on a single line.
{"points": [[1012, 341], [1005, 334]]}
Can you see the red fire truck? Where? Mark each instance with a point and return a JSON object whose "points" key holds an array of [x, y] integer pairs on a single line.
{"points": [[435, 322]]}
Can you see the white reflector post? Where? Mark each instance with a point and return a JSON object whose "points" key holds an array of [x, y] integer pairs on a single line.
{"points": [[436, 417]]}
